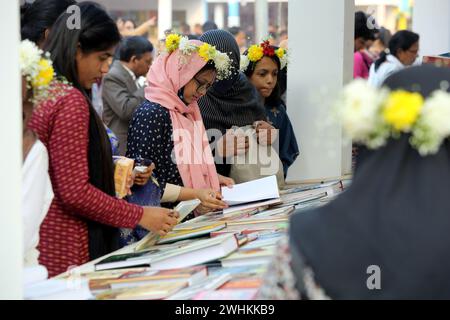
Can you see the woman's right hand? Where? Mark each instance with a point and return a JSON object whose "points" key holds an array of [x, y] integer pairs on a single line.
{"points": [[210, 199], [233, 143], [159, 220]]}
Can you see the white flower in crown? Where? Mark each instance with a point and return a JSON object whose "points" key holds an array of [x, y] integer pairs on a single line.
{"points": [[185, 47], [433, 125], [222, 63], [284, 61], [29, 57], [245, 61], [359, 110]]}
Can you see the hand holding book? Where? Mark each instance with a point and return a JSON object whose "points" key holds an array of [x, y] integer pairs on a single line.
{"points": [[159, 220]]}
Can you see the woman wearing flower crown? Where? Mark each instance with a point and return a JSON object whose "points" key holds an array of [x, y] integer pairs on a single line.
{"points": [[168, 127], [386, 237], [231, 103], [82, 222], [37, 193], [262, 64]]}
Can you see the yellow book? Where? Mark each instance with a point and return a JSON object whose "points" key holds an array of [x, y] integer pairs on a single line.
{"points": [[123, 170]]}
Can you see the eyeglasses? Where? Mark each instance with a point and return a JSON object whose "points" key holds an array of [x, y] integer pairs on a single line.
{"points": [[202, 87]]}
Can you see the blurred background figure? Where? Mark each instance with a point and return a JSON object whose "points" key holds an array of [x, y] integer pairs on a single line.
{"points": [[198, 30], [283, 36], [129, 25], [209, 25], [381, 43], [38, 18], [365, 33], [403, 52], [122, 91], [240, 36]]}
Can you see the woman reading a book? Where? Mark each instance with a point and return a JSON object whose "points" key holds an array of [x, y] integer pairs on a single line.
{"points": [[262, 65], [387, 236], [168, 128], [82, 222]]}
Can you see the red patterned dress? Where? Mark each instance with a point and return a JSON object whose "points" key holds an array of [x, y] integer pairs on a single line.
{"points": [[62, 125]]}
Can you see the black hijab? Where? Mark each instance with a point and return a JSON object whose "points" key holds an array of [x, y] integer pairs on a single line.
{"points": [[396, 215], [233, 102]]}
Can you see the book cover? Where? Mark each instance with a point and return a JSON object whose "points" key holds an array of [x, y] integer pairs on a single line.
{"points": [[133, 279], [156, 291], [243, 283], [190, 232]]}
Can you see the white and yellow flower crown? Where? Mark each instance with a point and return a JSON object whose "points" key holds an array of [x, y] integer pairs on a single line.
{"points": [[36, 67], [371, 116], [206, 51], [256, 52]]}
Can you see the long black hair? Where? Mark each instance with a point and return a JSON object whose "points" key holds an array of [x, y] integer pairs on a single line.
{"points": [[402, 40], [39, 16], [275, 98], [96, 32]]}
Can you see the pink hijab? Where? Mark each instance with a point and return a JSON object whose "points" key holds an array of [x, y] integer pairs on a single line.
{"points": [[168, 74]]}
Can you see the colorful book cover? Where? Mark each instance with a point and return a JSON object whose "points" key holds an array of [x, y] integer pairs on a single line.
{"points": [[155, 291], [243, 283]]}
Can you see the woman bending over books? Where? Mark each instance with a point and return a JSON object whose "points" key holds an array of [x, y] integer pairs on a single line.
{"points": [[82, 222], [168, 128]]}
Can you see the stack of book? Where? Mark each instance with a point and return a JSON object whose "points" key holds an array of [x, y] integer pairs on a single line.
{"points": [[219, 256]]}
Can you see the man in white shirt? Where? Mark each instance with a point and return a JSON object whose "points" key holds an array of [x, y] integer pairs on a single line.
{"points": [[122, 90]]}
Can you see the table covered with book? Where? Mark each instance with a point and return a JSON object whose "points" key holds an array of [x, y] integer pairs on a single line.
{"points": [[217, 256]]}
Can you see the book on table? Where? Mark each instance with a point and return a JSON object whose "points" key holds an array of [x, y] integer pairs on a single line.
{"points": [[154, 291], [183, 232], [251, 194], [133, 279], [192, 254], [249, 257], [440, 61]]}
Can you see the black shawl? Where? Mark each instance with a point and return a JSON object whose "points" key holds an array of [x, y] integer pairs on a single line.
{"points": [[233, 102], [396, 216]]}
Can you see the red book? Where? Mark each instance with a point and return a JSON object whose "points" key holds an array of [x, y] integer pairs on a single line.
{"points": [[437, 61]]}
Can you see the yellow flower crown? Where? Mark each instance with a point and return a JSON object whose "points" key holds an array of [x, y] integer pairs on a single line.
{"points": [[206, 51], [256, 52], [371, 116], [36, 67]]}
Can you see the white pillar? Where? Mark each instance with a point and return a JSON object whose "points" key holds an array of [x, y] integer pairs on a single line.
{"points": [[319, 65], [196, 12], [11, 161], [219, 15], [164, 17], [261, 20], [234, 18], [431, 19]]}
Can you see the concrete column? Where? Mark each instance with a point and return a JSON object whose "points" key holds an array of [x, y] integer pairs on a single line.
{"points": [[164, 17], [316, 72], [234, 18], [261, 20], [219, 15], [431, 19], [11, 251]]}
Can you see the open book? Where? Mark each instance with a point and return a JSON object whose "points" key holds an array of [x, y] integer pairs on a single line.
{"points": [[255, 193]]}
